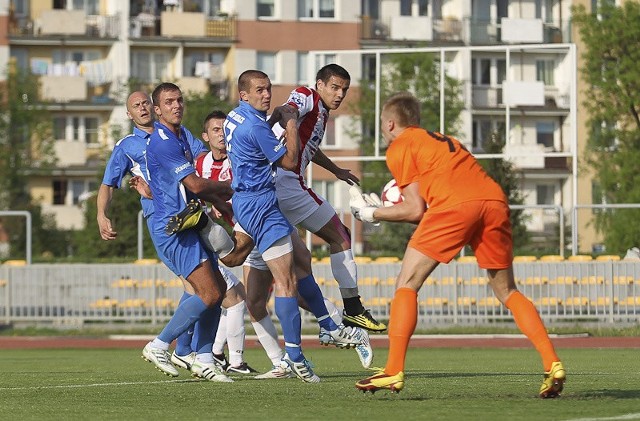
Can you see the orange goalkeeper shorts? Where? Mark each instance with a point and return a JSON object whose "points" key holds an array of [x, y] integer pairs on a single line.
{"points": [[483, 224]]}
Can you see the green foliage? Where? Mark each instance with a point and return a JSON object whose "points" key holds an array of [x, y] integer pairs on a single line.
{"points": [[610, 69], [197, 107], [419, 74], [503, 173]]}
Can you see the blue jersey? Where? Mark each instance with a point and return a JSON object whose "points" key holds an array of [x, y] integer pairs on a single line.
{"points": [[170, 159], [128, 157], [252, 149]]}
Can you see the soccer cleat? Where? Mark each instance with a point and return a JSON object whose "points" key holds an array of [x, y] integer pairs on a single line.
{"points": [[364, 320], [364, 350], [553, 382], [159, 358], [381, 381], [189, 217], [277, 372], [209, 371], [343, 337], [221, 361], [183, 361], [243, 368], [302, 369]]}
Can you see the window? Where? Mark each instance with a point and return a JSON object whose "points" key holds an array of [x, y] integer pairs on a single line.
{"points": [[544, 133], [208, 7], [20, 8], [192, 63], [59, 192], [91, 7], [302, 68], [324, 59], [545, 194], [76, 129], [483, 130], [316, 8], [329, 139], [414, 7], [488, 71], [149, 67], [266, 8], [544, 71], [266, 62], [20, 55], [326, 189]]}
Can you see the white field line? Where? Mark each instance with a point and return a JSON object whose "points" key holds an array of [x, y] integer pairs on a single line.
{"points": [[81, 386], [624, 417]]}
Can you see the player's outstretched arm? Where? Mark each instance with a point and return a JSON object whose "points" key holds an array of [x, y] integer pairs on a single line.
{"points": [[343, 174]]}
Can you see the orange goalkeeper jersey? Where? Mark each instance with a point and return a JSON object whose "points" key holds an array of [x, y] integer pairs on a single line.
{"points": [[446, 172]]}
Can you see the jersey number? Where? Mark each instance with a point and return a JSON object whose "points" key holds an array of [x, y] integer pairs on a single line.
{"points": [[228, 127], [442, 138]]}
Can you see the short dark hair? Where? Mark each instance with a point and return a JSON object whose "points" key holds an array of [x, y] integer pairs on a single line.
{"points": [[405, 107], [325, 73], [245, 78], [220, 115], [164, 86]]}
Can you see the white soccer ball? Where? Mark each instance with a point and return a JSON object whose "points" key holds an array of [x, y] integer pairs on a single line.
{"points": [[391, 194]]}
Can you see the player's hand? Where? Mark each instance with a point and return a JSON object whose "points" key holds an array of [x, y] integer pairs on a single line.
{"points": [[362, 207], [140, 185], [106, 231], [346, 176], [282, 114]]}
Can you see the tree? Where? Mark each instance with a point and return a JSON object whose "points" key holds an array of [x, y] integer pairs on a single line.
{"points": [[611, 56], [503, 173], [26, 147], [418, 73]]}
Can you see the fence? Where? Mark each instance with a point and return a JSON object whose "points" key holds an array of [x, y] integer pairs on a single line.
{"points": [[458, 293]]}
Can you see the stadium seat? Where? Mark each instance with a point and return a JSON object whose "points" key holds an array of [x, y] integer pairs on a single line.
{"points": [[632, 301], [3, 283], [146, 261], [536, 280], [15, 263], [104, 303], [607, 258], [369, 280], [435, 302], [565, 280], [580, 258], [576, 302], [166, 302], [387, 259], [603, 302], [378, 302], [477, 280], [467, 259], [134, 303], [467, 301], [547, 302], [489, 302], [362, 259], [623, 280], [175, 283], [551, 258], [391, 280], [592, 280], [524, 259]]}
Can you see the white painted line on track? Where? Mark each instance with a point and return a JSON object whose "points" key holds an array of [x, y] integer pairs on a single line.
{"points": [[624, 417], [80, 386]]}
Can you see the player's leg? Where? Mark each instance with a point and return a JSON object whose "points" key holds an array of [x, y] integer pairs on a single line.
{"points": [[243, 246], [183, 356], [343, 266]]}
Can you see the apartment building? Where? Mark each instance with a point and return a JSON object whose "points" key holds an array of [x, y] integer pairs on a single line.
{"points": [[89, 53]]}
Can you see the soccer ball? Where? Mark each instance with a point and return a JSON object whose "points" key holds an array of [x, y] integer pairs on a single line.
{"points": [[391, 194]]}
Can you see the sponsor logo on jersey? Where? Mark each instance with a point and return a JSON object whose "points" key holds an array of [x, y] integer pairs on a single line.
{"points": [[182, 168]]}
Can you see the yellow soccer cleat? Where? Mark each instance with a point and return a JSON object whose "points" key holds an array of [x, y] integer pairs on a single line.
{"points": [[364, 320], [553, 382], [380, 381]]}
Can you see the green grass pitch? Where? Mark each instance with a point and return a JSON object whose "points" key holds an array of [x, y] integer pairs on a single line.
{"points": [[441, 384]]}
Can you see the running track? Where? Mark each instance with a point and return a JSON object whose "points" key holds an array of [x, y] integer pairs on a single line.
{"points": [[425, 341]]}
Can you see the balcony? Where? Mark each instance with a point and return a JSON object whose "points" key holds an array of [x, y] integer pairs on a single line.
{"points": [[64, 83], [182, 25], [514, 30], [65, 23]]}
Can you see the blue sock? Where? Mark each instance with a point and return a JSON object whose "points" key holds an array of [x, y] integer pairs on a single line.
{"points": [[205, 330], [183, 342], [309, 290], [289, 315], [185, 315]]}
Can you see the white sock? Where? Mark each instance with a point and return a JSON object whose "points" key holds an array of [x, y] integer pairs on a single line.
{"points": [[157, 343], [221, 334], [236, 333], [268, 337], [206, 358], [334, 313], [344, 269]]}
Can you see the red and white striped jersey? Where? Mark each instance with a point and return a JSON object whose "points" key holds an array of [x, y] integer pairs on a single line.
{"points": [[312, 122], [208, 167]]}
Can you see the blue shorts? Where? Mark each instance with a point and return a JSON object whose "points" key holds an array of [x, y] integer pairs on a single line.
{"points": [[182, 252], [154, 240], [260, 216]]}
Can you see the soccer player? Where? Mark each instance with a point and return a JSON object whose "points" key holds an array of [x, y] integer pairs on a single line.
{"points": [[173, 184], [465, 206], [304, 207], [254, 152]]}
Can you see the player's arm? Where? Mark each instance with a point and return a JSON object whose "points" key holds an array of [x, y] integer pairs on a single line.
{"points": [[105, 194], [139, 184], [343, 174], [216, 192], [411, 209], [289, 161]]}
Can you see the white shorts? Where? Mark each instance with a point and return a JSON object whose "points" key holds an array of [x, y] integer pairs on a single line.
{"points": [[231, 279], [300, 204]]}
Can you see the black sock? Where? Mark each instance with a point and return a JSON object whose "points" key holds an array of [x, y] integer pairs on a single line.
{"points": [[353, 306]]}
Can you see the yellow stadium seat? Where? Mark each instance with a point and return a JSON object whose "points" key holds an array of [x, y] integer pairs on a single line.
{"points": [[536, 280], [552, 258], [104, 303], [565, 280], [15, 263], [391, 280], [603, 302], [489, 302], [608, 257], [467, 301], [146, 261], [580, 258], [431, 281], [362, 259], [133, 303], [387, 259], [166, 302], [478, 280], [547, 301], [632, 301], [576, 301], [369, 280], [175, 283], [467, 259], [378, 302], [524, 259], [435, 302], [623, 280], [3, 283], [326, 259], [592, 280]]}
